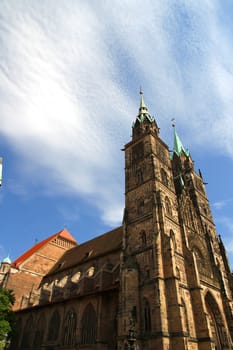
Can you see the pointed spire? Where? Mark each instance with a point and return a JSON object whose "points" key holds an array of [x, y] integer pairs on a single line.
{"points": [[142, 103], [178, 146], [143, 113]]}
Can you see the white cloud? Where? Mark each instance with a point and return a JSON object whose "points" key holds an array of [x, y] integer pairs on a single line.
{"points": [[219, 205], [222, 203], [68, 72]]}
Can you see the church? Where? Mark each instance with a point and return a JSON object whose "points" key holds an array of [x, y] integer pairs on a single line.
{"points": [[160, 281]]}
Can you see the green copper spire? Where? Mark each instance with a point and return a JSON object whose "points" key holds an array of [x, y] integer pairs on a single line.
{"points": [[178, 147]]}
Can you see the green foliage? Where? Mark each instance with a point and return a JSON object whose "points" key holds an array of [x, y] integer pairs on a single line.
{"points": [[2, 344], [7, 317]]}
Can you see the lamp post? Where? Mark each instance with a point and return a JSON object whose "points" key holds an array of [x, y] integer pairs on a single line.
{"points": [[131, 339]]}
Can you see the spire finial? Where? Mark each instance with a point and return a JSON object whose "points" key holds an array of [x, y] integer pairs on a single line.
{"points": [[142, 103], [173, 122]]}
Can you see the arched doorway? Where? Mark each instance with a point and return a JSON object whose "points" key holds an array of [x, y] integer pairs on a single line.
{"points": [[218, 331]]}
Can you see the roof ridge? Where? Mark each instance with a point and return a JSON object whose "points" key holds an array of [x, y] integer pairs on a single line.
{"points": [[18, 261]]}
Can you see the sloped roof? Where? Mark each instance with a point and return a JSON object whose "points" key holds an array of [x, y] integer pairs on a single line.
{"points": [[63, 233], [98, 246]]}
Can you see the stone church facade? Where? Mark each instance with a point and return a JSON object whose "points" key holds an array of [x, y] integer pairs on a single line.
{"points": [[160, 281]]}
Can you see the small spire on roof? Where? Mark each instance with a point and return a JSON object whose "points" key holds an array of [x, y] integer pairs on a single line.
{"points": [[7, 260], [142, 103], [143, 113]]}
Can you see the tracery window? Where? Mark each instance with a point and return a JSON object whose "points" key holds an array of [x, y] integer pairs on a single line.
{"points": [[69, 337], [199, 257], [218, 330], [88, 325], [54, 326]]}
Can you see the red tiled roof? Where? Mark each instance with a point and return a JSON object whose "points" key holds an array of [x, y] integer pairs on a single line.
{"points": [[63, 233], [100, 245]]}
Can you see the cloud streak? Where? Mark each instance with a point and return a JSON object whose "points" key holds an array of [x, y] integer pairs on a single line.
{"points": [[222, 203], [68, 79]]}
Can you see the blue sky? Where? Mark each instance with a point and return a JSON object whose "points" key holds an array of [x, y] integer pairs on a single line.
{"points": [[70, 73]]}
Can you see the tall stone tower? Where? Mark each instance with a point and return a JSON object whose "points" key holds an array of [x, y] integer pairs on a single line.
{"points": [[176, 284]]}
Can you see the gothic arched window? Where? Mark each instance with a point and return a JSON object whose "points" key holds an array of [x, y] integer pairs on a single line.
{"points": [[54, 326], [178, 273], [173, 238], [147, 317], [218, 330], [141, 207], [168, 206], [39, 333], [138, 152], [88, 325], [139, 177], [28, 333], [185, 317], [69, 327], [143, 238], [199, 257], [15, 342], [164, 177]]}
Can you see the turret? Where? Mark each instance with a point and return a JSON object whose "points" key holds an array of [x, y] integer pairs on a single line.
{"points": [[144, 122], [4, 268]]}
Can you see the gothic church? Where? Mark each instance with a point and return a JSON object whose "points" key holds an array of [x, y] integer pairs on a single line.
{"points": [[160, 281]]}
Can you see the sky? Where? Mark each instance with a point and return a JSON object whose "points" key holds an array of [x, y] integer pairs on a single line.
{"points": [[70, 73]]}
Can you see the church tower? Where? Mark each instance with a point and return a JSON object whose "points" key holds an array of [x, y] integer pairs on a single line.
{"points": [[176, 284]]}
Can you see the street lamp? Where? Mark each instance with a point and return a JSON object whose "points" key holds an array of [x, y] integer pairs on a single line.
{"points": [[131, 339]]}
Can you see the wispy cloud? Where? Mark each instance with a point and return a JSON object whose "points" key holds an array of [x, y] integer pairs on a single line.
{"points": [[69, 73], [222, 203]]}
